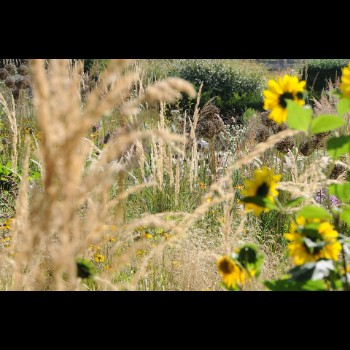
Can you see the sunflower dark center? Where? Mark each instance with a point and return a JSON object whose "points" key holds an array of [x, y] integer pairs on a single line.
{"points": [[284, 97], [313, 235], [226, 266], [263, 190]]}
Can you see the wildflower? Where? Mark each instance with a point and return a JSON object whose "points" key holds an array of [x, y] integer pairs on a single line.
{"points": [[239, 187], [99, 258], [209, 199], [345, 82], [263, 185], [168, 236], [312, 240], [277, 94], [202, 185], [147, 235], [231, 273]]}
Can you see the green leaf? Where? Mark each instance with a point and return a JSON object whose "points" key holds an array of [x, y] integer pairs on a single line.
{"points": [[324, 123], [85, 269], [341, 191], [337, 146], [343, 106], [345, 214], [260, 201], [312, 271], [289, 285], [298, 118], [295, 202], [312, 211]]}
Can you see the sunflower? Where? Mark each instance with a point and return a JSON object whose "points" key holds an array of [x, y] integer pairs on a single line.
{"points": [[311, 240], [345, 82], [279, 92], [263, 185], [230, 271]]}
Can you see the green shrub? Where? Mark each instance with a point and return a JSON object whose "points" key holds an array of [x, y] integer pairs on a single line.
{"points": [[237, 86], [318, 72]]}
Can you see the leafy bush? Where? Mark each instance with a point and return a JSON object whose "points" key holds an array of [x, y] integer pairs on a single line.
{"points": [[236, 86], [318, 72]]}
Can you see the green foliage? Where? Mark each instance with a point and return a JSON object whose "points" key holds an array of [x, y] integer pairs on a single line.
{"points": [[343, 106], [299, 118], [85, 268], [236, 88], [312, 211], [318, 72], [337, 146], [341, 191], [324, 123]]}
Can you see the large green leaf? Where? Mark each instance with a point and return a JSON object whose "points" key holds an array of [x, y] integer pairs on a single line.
{"points": [[343, 106], [312, 211], [345, 214], [337, 146], [289, 285], [341, 191], [324, 123], [299, 118]]}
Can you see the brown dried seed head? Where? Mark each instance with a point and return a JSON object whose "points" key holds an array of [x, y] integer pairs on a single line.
{"points": [[262, 134], [3, 73], [10, 82], [21, 82], [306, 148], [15, 93], [11, 68], [285, 145], [337, 171], [23, 70]]}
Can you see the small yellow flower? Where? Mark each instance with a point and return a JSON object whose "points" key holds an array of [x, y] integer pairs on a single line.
{"points": [[311, 240], [147, 235], [209, 199], [264, 185], [202, 185], [239, 187], [168, 236], [141, 252], [345, 82], [99, 258], [277, 94], [231, 273], [222, 220], [92, 247]]}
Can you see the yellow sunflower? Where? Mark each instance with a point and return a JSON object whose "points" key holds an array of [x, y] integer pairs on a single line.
{"points": [[277, 94], [345, 82], [311, 240], [264, 185], [231, 273]]}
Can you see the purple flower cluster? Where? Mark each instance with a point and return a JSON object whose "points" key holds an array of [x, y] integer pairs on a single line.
{"points": [[322, 198]]}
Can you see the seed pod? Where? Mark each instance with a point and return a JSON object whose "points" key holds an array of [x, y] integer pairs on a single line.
{"points": [[285, 145], [10, 82], [3, 73], [23, 70], [15, 93], [20, 82], [11, 68]]}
